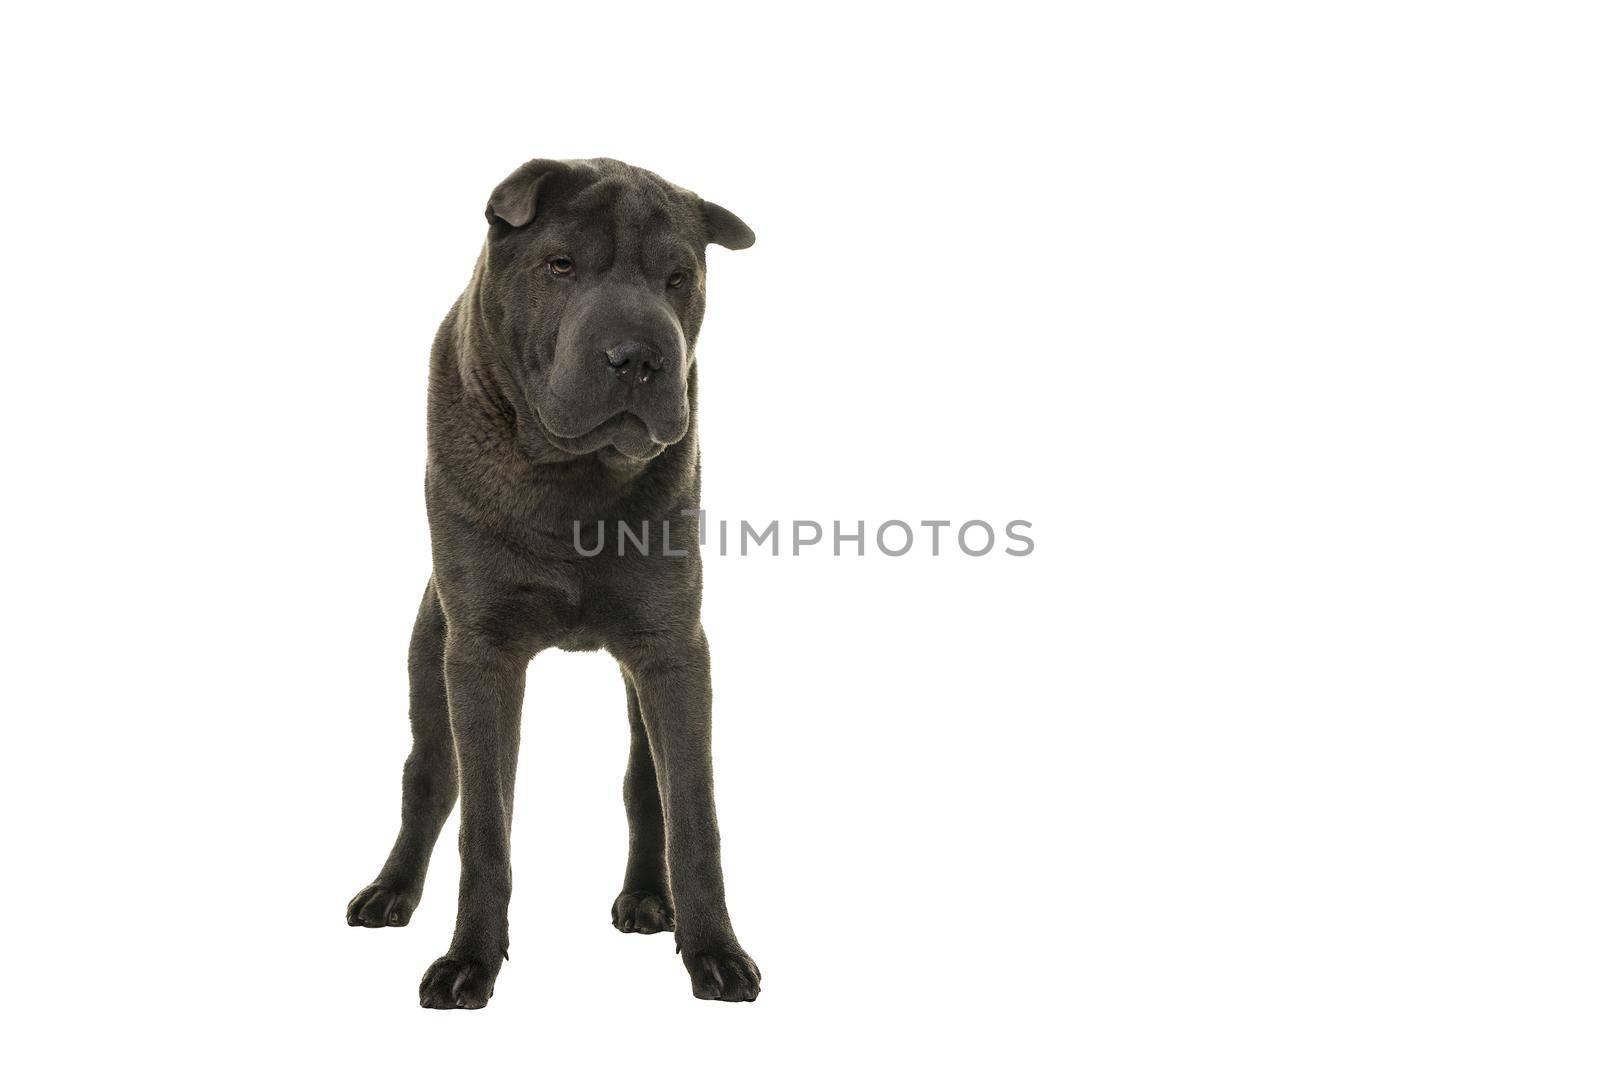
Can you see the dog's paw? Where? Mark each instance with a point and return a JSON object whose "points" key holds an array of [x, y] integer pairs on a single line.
{"points": [[641, 912], [379, 905], [457, 983], [723, 974]]}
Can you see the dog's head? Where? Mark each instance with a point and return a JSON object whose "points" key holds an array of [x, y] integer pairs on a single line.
{"points": [[594, 278]]}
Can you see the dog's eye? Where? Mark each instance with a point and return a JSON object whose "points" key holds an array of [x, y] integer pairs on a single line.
{"points": [[560, 265], [676, 279]]}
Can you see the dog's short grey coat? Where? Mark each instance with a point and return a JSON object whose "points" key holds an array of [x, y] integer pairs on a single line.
{"points": [[562, 392]]}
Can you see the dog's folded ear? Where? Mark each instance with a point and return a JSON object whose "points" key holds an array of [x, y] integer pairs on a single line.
{"points": [[515, 199], [725, 228]]}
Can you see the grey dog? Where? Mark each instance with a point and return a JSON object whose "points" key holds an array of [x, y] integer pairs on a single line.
{"points": [[562, 399]]}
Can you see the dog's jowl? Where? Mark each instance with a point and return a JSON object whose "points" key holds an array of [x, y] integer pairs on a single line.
{"points": [[561, 396]]}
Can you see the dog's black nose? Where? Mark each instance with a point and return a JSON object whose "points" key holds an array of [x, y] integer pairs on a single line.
{"points": [[634, 361]]}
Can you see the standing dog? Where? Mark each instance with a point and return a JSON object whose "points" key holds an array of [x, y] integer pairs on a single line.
{"points": [[561, 400]]}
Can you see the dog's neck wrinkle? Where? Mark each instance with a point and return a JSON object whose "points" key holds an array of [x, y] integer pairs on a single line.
{"points": [[486, 385]]}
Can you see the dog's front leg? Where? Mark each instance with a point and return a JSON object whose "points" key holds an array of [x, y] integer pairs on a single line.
{"points": [[484, 680], [674, 685]]}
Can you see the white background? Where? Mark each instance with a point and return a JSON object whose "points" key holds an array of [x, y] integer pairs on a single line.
{"points": [[1277, 321]]}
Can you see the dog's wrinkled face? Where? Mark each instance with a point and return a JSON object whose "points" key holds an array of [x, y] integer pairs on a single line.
{"points": [[595, 273]]}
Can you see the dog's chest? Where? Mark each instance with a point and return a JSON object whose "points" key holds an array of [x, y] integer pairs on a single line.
{"points": [[559, 609]]}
